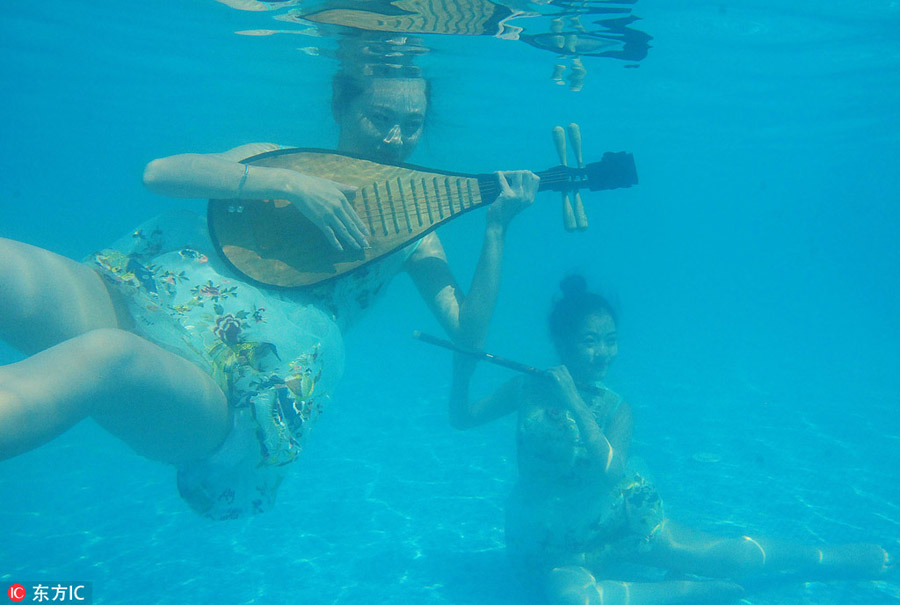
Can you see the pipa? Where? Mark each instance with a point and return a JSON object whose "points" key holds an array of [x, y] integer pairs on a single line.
{"points": [[271, 243]]}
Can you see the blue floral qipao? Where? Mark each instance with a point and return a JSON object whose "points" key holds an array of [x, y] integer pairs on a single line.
{"points": [[276, 354]]}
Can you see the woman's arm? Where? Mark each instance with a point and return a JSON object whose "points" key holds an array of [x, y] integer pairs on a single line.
{"points": [[610, 450], [464, 413], [619, 431], [221, 175], [465, 318]]}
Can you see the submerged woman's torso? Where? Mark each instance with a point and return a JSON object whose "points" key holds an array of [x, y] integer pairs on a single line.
{"points": [[551, 451], [565, 507]]}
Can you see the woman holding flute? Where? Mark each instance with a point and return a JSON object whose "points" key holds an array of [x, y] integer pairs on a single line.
{"points": [[581, 517]]}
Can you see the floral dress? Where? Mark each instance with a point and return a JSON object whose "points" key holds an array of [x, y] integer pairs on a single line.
{"points": [[276, 354], [560, 512]]}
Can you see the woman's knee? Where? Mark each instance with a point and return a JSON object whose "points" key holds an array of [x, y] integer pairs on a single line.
{"points": [[572, 585], [113, 352]]}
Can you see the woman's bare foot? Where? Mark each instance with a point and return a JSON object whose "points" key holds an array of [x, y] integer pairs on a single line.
{"points": [[855, 561]]}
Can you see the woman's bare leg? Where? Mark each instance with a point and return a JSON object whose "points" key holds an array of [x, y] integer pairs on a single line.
{"points": [[578, 586], [160, 404], [682, 549], [60, 310], [46, 298]]}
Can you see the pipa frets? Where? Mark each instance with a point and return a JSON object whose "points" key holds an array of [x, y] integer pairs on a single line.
{"points": [[450, 197], [365, 198], [437, 197], [403, 203], [380, 206], [461, 198], [390, 198], [412, 184]]}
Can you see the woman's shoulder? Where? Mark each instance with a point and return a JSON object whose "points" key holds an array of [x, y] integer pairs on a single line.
{"points": [[611, 398]]}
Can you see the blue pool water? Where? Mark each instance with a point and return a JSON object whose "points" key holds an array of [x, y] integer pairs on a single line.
{"points": [[755, 268]]}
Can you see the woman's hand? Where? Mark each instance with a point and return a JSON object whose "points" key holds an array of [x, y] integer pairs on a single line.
{"points": [[598, 445], [563, 386], [517, 191], [327, 204]]}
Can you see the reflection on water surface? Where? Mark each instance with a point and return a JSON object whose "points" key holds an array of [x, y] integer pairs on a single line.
{"points": [[570, 30]]}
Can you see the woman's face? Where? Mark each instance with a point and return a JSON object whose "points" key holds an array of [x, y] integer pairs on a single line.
{"points": [[385, 121], [591, 347]]}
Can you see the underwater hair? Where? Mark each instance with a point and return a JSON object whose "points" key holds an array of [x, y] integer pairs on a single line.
{"points": [[570, 309], [345, 87]]}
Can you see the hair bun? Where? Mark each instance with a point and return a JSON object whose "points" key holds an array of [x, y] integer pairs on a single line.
{"points": [[573, 285]]}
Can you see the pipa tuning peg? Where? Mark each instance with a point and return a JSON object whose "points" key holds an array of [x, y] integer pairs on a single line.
{"points": [[575, 139], [581, 220], [570, 222], [559, 140], [574, 130]]}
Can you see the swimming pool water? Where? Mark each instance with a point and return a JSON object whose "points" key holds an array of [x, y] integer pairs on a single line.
{"points": [[755, 267]]}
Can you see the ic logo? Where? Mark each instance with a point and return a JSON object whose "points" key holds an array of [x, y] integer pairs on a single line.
{"points": [[16, 593]]}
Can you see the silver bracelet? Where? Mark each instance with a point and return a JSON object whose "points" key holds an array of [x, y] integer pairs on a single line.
{"points": [[240, 188]]}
